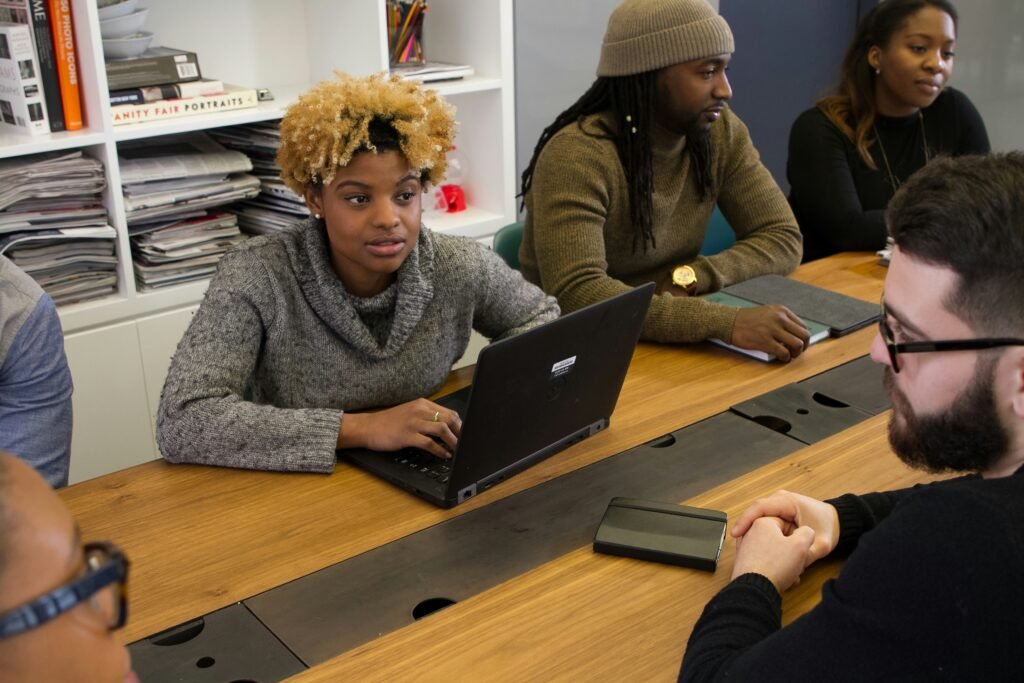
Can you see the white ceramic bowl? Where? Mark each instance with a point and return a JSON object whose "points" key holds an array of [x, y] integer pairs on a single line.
{"points": [[130, 46], [108, 9], [123, 26]]}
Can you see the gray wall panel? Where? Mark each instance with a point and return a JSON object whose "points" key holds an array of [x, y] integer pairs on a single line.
{"points": [[989, 66]]}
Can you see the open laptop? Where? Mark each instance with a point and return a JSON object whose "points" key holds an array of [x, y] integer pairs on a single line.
{"points": [[532, 395]]}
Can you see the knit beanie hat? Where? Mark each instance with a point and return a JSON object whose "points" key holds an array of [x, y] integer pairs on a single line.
{"points": [[644, 35]]}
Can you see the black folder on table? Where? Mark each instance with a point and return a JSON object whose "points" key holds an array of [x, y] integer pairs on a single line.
{"points": [[662, 532], [843, 314]]}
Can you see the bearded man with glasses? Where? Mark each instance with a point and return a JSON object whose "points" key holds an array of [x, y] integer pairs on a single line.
{"points": [[931, 589], [60, 600]]}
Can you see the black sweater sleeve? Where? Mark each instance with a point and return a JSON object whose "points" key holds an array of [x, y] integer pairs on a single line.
{"points": [[932, 594], [839, 201], [860, 514], [823, 190]]}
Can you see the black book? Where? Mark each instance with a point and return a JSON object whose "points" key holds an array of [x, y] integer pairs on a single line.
{"points": [[662, 532], [843, 314], [155, 66], [167, 91]]}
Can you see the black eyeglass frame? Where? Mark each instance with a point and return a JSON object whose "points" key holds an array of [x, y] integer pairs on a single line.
{"points": [[47, 607], [895, 349]]}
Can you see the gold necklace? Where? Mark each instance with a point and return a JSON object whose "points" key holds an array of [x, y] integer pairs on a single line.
{"points": [[893, 180]]}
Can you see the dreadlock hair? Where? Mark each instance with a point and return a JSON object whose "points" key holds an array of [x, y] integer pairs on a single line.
{"points": [[853, 109], [632, 101]]}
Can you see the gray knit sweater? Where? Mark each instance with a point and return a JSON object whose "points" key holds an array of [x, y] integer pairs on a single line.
{"points": [[278, 322]]}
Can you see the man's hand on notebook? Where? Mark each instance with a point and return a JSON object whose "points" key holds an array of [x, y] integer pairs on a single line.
{"points": [[419, 424], [773, 329]]}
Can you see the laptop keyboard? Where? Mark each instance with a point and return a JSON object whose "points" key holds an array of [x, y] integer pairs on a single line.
{"points": [[426, 463]]}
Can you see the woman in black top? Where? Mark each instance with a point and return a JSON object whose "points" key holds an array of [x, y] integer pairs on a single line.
{"points": [[892, 113]]}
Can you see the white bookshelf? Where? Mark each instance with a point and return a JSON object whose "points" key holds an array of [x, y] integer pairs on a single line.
{"points": [[285, 47]]}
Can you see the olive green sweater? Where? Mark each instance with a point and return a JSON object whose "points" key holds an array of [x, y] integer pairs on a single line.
{"points": [[578, 239]]}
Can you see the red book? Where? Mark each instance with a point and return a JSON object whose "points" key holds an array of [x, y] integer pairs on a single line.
{"points": [[67, 62]]}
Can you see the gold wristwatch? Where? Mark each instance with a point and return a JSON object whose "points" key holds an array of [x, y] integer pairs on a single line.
{"points": [[685, 278]]}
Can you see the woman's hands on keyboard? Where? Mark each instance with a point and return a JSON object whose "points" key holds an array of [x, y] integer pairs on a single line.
{"points": [[419, 424]]}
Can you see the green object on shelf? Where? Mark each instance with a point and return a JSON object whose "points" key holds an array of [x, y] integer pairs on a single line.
{"points": [[506, 243]]}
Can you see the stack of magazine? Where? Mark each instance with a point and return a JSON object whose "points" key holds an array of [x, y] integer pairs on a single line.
{"points": [[429, 72], [54, 226], [169, 185], [182, 249], [276, 207]]}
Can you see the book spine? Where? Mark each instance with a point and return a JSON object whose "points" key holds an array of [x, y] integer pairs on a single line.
{"points": [[190, 106], [170, 91], [40, 13], [153, 93], [21, 99], [67, 62], [201, 87]]}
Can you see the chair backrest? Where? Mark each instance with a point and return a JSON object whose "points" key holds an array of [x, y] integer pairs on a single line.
{"points": [[506, 243], [719, 235]]}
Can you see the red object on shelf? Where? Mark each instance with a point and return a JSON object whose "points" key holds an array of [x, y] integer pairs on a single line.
{"points": [[455, 196]]}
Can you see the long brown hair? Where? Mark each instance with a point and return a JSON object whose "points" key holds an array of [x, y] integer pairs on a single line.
{"points": [[853, 109]]}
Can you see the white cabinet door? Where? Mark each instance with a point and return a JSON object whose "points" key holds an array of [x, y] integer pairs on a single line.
{"points": [[158, 339], [112, 429]]}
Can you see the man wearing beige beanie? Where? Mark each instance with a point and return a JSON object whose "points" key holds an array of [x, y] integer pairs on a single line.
{"points": [[621, 186]]}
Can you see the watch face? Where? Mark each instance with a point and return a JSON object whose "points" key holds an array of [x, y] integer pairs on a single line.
{"points": [[684, 276]]}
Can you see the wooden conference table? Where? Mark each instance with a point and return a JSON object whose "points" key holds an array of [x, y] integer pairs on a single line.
{"points": [[201, 538]]}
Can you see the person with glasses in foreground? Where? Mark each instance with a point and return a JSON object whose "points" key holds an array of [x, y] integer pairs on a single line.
{"points": [[931, 589], [60, 600]]}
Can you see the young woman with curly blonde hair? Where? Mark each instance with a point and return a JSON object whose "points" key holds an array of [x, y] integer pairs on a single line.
{"points": [[359, 307]]}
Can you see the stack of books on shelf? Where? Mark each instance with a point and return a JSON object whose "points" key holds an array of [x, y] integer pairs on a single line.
{"points": [[169, 183], [429, 72], [39, 90], [54, 226], [276, 207], [165, 83]]}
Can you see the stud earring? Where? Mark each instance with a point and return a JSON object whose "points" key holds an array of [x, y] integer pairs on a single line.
{"points": [[878, 72], [316, 216]]}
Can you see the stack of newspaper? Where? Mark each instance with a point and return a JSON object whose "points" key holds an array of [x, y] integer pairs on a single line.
{"points": [[168, 182], [276, 207], [179, 250], [54, 226]]}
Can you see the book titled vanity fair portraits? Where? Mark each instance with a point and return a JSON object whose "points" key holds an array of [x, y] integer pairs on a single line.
{"points": [[231, 97]]}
